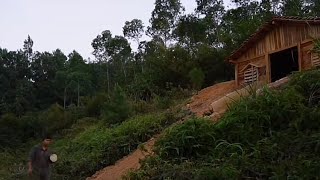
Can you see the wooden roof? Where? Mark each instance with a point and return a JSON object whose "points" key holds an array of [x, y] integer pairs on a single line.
{"points": [[268, 26]]}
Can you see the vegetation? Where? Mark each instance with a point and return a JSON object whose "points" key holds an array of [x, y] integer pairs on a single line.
{"points": [[271, 136], [102, 109]]}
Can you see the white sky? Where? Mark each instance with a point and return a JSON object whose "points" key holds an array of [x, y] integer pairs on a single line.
{"points": [[69, 24]]}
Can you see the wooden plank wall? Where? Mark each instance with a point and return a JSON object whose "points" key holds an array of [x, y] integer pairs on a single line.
{"points": [[242, 65], [315, 58], [283, 36], [306, 55]]}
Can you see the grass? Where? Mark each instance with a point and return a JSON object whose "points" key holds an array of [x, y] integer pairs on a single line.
{"points": [[98, 146], [271, 136], [91, 143]]}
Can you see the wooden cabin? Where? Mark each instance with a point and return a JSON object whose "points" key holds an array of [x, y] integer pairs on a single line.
{"points": [[276, 49]]}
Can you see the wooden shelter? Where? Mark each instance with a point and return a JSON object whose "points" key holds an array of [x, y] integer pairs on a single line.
{"points": [[279, 47]]}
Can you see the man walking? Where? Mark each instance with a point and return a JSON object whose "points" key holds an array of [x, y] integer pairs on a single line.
{"points": [[39, 160]]}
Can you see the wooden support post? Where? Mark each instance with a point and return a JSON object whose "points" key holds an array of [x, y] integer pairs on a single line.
{"points": [[268, 67], [300, 56], [236, 74]]}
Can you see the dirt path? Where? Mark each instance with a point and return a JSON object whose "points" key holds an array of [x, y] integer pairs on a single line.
{"points": [[212, 101], [123, 166], [199, 105]]}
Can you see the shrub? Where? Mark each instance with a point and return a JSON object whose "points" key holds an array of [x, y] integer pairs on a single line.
{"points": [[271, 136], [197, 76], [10, 130], [163, 102], [55, 119], [95, 105], [307, 84], [98, 146], [117, 109], [194, 138]]}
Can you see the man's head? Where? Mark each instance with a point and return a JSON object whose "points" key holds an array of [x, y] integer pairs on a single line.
{"points": [[46, 140]]}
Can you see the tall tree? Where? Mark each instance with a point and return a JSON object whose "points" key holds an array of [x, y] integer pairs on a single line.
{"points": [[78, 77], [163, 18], [190, 30], [293, 8], [133, 30], [120, 50], [27, 48], [100, 44]]}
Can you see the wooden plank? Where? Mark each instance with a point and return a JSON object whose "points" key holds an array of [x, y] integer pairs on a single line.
{"points": [[315, 59], [236, 74], [299, 57], [307, 41], [251, 59], [283, 48], [268, 68]]}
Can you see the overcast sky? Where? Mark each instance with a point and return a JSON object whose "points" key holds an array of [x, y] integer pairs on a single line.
{"points": [[69, 24]]}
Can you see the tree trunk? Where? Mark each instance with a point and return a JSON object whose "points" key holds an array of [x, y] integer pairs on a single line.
{"points": [[78, 94], [64, 97], [108, 78]]}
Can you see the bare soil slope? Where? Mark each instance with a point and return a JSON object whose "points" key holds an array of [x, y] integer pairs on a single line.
{"points": [[201, 103]]}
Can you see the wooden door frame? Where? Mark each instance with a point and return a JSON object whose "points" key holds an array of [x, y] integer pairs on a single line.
{"points": [[268, 60]]}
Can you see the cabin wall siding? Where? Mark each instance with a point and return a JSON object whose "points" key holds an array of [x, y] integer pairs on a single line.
{"points": [[243, 64], [282, 36], [306, 55]]}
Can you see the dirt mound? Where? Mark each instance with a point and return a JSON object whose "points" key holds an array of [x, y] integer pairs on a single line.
{"points": [[201, 103]]}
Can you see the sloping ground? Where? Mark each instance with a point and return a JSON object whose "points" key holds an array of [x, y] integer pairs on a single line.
{"points": [[131, 162], [212, 101], [201, 102], [199, 105]]}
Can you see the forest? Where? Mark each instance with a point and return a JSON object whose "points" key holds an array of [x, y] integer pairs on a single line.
{"points": [[57, 93]]}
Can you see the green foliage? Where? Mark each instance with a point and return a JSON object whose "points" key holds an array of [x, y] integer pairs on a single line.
{"points": [[308, 85], [10, 130], [163, 102], [95, 105], [271, 136], [133, 29], [117, 109], [97, 146], [55, 119], [46, 91], [197, 78], [191, 139]]}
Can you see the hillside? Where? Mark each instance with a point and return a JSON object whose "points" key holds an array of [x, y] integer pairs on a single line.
{"points": [[162, 85], [274, 135]]}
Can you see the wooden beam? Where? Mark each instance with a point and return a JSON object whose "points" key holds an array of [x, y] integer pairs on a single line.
{"points": [[250, 59], [306, 41], [268, 67], [236, 74], [300, 57], [282, 49]]}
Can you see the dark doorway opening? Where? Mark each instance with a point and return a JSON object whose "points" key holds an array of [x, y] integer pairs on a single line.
{"points": [[284, 63]]}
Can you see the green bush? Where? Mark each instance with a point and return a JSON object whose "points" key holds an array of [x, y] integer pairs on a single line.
{"points": [[142, 107], [95, 104], [97, 146], [163, 102], [10, 131], [118, 108], [271, 136], [55, 119], [308, 84], [192, 139], [197, 78]]}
